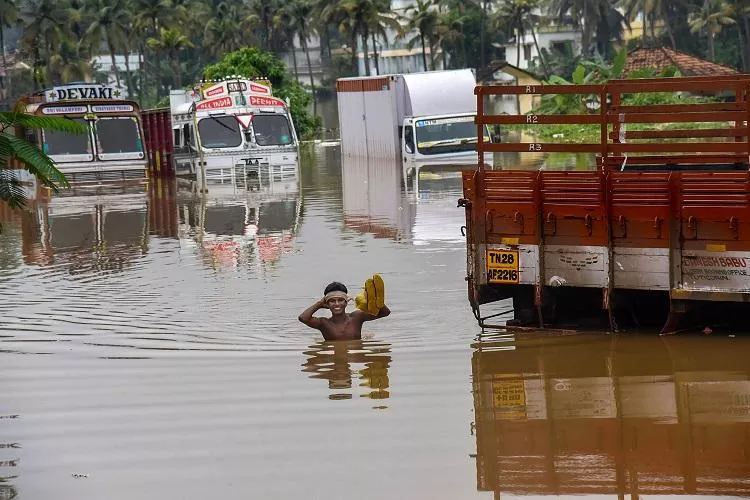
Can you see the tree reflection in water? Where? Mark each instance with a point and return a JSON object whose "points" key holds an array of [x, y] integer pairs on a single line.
{"points": [[341, 362]]}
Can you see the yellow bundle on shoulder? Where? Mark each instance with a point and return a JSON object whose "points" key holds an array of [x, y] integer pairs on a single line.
{"points": [[372, 297]]}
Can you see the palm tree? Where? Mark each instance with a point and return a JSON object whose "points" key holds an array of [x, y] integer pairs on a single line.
{"points": [[171, 42], [69, 63], [110, 21], [422, 18], [381, 24], [45, 24], [8, 16], [18, 153], [337, 14], [711, 17], [651, 11], [299, 15], [450, 30], [228, 26]]}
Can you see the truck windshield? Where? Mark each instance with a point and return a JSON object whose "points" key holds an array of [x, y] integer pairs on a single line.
{"points": [[61, 143], [219, 132], [272, 130], [447, 135], [118, 135]]}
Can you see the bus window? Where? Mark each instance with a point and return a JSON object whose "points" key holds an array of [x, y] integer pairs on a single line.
{"points": [[219, 132], [272, 130], [61, 144], [31, 135], [118, 135], [187, 134]]}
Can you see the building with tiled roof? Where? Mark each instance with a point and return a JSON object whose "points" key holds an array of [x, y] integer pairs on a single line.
{"points": [[660, 58]]}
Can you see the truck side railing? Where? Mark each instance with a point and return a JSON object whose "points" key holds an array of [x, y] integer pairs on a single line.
{"points": [[719, 134]]}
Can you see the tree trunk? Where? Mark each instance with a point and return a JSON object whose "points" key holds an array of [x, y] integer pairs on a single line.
{"points": [[741, 43], [176, 70], [310, 73], [6, 80], [424, 51], [375, 54], [355, 63], [432, 56], [538, 51], [114, 61], [518, 48], [667, 23], [294, 58], [128, 74], [482, 35], [711, 49], [365, 43]]}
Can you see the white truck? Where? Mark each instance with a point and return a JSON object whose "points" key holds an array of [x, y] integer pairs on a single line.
{"points": [[420, 118]]}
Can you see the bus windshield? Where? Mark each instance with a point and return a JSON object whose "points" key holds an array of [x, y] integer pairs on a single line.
{"points": [[447, 135], [272, 130], [219, 132], [118, 135], [57, 144]]}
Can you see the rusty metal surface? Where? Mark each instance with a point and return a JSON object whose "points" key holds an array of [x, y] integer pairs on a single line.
{"points": [[683, 228]]}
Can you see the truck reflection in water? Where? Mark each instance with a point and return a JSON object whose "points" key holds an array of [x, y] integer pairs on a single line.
{"points": [[250, 227], [376, 202], [96, 229], [343, 362], [619, 415]]}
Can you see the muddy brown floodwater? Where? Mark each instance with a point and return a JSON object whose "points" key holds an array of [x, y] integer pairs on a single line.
{"points": [[150, 348]]}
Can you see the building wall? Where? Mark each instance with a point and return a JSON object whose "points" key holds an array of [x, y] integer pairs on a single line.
{"points": [[546, 41]]}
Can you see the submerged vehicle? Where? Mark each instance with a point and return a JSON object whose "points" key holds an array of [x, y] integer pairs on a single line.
{"points": [[415, 117], [231, 127], [656, 234], [111, 150]]}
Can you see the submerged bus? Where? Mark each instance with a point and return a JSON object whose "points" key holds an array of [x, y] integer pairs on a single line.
{"points": [[234, 125], [113, 148]]}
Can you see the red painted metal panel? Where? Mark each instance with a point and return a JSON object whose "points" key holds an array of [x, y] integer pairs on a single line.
{"points": [[512, 209], [573, 208], [640, 209]]}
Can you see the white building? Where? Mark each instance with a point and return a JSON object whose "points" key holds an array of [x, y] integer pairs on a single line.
{"points": [[102, 64], [550, 38]]}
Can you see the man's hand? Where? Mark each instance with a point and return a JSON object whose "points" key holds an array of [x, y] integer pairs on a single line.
{"points": [[307, 315]]}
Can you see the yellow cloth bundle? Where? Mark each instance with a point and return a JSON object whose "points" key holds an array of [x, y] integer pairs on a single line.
{"points": [[372, 297]]}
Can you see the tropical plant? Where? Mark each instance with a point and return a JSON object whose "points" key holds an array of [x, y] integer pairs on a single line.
{"points": [[253, 63], [711, 17], [18, 153]]}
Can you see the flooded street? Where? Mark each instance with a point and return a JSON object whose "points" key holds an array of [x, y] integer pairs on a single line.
{"points": [[150, 348]]}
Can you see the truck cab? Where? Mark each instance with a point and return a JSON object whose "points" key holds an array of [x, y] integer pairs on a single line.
{"points": [[441, 139]]}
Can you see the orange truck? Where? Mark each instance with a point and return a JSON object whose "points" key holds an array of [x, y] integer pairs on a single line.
{"points": [[658, 233]]}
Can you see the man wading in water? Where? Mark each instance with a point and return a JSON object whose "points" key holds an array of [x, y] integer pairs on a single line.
{"points": [[341, 325]]}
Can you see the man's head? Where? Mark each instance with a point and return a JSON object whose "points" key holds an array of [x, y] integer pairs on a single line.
{"points": [[335, 297]]}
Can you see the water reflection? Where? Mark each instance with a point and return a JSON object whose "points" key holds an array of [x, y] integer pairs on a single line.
{"points": [[343, 362], [100, 229], [625, 415], [249, 226], [377, 201]]}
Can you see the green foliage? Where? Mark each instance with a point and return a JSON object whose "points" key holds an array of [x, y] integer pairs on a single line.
{"points": [[253, 63], [28, 156], [597, 72]]}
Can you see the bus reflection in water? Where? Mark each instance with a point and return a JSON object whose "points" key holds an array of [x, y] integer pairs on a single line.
{"points": [[583, 415], [251, 225], [96, 229]]}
